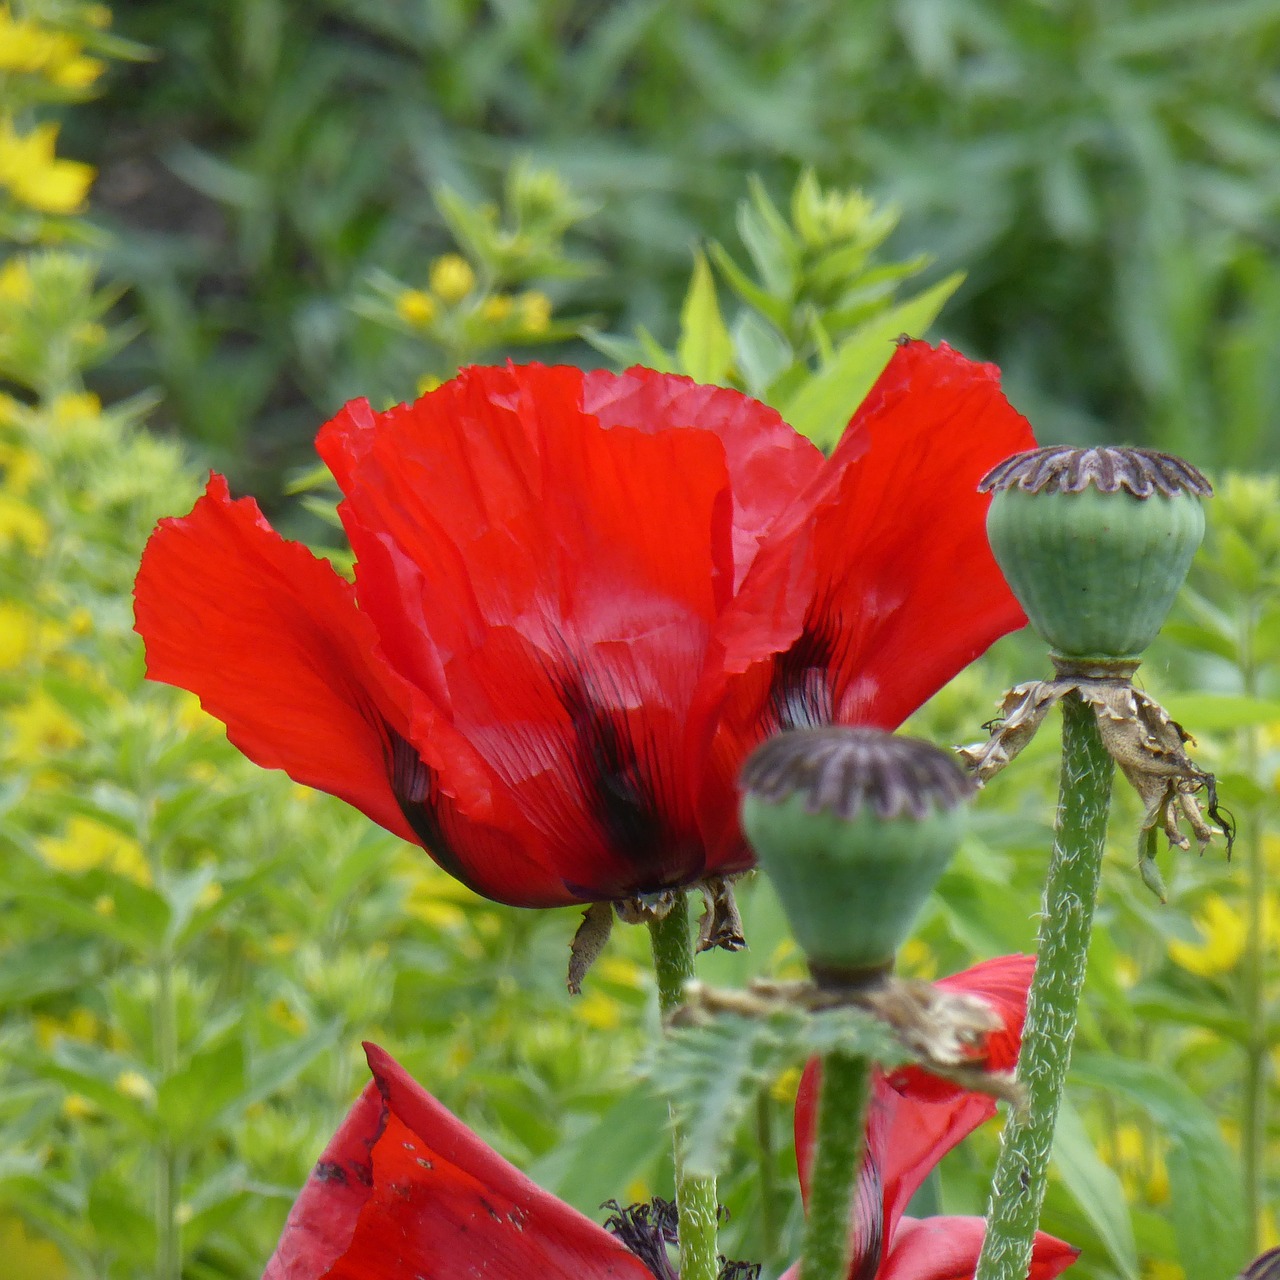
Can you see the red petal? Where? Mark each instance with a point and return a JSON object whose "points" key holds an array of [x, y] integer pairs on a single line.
{"points": [[880, 585], [769, 462], [444, 1206], [947, 1248], [916, 1118], [270, 639], [552, 584], [323, 1218]]}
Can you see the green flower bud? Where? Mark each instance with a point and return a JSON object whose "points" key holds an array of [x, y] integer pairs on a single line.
{"points": [[1095, 543], [853, 827]]}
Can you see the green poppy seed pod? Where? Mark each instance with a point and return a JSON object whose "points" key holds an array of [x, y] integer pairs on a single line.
{"points": [[1095, 543], [853, 827]]}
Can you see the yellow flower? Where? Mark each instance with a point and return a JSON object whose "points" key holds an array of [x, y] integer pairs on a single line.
{"points": [[598, 1010], [21, 468], [17, 634], [77, 73], [917, 959], [16, 284], [1222, 929], [535, 312], [75, 1106], [28, 1255], [40, 726], [284, 1015], [786, 1086], [88, 845], [21, 522], [133, 1084], [75, 406], [415, 307], [497, 308], [452, 278], [35, 176], [1162, 1269], [428, 382], [209, 896], [80, 1024]]}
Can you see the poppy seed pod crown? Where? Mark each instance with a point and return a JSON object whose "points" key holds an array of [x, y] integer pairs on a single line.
{"points": [[1095, 543], [853, 827]]}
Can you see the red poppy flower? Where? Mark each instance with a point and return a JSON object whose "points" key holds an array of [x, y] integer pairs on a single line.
{"points": [[580, 599], [913, 1120], [405, 1191]]}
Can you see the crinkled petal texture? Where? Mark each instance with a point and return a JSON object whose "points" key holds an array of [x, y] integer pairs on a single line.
{"points": [[913, 1120], [581, 599], [878, 585], [405, 1191]]}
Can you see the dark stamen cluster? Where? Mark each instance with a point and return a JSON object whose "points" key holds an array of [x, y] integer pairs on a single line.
{"points": [[1062, 469], [843, 770], [648, 1229]]}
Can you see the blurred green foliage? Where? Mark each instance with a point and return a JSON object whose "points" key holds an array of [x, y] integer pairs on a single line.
{"points": [[1105, 173], [192, 948]]}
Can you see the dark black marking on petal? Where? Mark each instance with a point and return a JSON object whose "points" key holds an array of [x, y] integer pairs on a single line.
{"points": [[414, 787], [329, 1171], [868, 1238], [614, 783], [801, 692]]}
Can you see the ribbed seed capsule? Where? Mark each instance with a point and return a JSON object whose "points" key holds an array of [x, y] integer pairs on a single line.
{"points": [[1095, 543], [853, 826]]}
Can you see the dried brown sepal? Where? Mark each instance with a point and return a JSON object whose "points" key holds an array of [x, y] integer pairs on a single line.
{"points": [[943, 1031], [588, 943], [721, 924], [1062, 469], [1142, 738]]}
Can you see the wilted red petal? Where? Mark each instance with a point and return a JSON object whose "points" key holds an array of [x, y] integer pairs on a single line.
{"points": [[551, 582], [916, 1118], [946, 1248], [880, 584], [270, 639], [438, 1205]]}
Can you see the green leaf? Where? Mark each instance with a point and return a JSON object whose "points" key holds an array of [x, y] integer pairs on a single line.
{"points": [[1204, 1177], [711, 1072], [1096, 1189], [705, 348], [191, 1099], [822, 407]]}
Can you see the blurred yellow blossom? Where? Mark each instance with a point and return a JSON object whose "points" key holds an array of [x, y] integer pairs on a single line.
{"points": [[80, 1024], [285, 1016], [497, 308], [22, 523], [17, 634], [87, 845], [452, 278], [75, 1106], [917, 959], [598, 1010], [35, 176], [27, 48], [1222, 930], [786, 1086], [75, 406], [428, 382], [535, 312], [40, 726], [17, 286], [622, 971], [415, 307], [1128, 1150], [20, 467], [133, 1084]]}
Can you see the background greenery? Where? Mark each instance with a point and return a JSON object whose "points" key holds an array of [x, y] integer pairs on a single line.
{"points": [[298, 203]]}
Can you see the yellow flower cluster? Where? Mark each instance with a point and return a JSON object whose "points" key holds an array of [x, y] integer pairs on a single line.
{"points": [[29, 48], [33, 174]]}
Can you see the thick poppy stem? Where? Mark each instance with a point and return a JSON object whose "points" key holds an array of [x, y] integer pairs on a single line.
{"points": [[1075, 868], [833, 1180], [695, 1196]]}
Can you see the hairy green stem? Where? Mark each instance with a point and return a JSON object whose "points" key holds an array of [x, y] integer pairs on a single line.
{"points": [[1253, 1127], [695, 1196], [833, 1180], [1075, 868]]}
